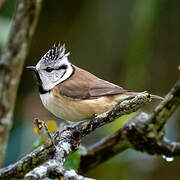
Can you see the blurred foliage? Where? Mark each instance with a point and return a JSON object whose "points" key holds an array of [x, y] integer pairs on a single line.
{"points": [[6, 12], [131, 43], [119, 123], [72, 161], [37, 143], [5, 26], [144, 15], [51, 125]]}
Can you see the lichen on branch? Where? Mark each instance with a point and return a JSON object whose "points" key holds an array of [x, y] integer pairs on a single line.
{"points": [[11, 63]]}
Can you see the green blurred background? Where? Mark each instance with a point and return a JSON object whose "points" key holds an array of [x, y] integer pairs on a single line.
{"points": [[133, 43]]}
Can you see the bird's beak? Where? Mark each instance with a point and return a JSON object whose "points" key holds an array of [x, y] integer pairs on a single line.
{"points": [[33, 68]]}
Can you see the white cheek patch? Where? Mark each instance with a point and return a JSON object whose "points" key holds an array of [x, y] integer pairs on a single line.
{"points": [[50, 80], [67, 73], [56, 75]]}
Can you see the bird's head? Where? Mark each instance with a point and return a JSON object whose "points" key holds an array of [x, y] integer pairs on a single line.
{"points": [[53, 68]]}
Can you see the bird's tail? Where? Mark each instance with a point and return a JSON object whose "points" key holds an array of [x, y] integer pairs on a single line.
{"points": [[132, 94], [156, 97]]}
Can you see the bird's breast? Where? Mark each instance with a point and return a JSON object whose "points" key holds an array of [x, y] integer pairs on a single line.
{"points": [[76, 109], [56, 106], [47, 100]]}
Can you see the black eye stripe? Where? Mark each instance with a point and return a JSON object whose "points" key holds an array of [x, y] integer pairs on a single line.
{"points": [[62, 67], [49, 69]]}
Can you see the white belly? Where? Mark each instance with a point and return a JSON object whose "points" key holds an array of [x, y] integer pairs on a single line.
{"points": [[74, 109], [49, 103]]}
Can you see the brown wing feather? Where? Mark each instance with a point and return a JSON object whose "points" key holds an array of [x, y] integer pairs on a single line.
{"points": [[84, 85], [104, 88]]}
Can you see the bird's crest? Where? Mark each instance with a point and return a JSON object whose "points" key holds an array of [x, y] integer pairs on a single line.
{"points": [[57, 52]]}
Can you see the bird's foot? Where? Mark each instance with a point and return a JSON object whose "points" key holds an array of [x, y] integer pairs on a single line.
{"points": [[72, 126]]}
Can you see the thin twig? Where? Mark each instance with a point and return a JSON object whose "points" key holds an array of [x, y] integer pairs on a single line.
{"points": [[43, 132]]}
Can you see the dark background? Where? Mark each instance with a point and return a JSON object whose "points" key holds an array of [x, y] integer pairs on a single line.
{"points": [[133, 43]]}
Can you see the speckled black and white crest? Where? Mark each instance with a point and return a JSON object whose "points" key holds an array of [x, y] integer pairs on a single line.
{"points": [[56, 53], [54, 67]]}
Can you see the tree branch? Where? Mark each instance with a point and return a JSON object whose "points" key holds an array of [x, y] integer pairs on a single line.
{"points": [[54, 166], [11, 62], [144, 133], [68, 140], [140, 133], [165, 109]]}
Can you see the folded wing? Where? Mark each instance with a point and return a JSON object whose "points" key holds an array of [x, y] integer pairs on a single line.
{"points": [[84, 85]]}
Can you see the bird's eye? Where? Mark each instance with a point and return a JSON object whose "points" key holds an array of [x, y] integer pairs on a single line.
{"points": [[48, 69]]}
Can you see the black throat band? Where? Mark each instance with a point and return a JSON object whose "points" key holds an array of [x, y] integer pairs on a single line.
{"points": [[39, 83]]}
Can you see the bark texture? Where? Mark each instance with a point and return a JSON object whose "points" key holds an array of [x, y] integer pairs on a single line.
{"points": [[11, 63]]}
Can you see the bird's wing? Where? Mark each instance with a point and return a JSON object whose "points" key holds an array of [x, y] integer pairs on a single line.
{"points": [[84, 85], [105, 88]]}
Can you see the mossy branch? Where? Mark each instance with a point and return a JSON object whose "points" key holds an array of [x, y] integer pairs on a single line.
{"points": [[66, 142], [11, 63]]}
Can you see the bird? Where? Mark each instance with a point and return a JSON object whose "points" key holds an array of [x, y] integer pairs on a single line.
{"points": [[72, 93]]}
